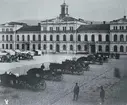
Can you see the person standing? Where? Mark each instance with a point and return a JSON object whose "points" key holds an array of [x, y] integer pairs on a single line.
{"points": [[76, 92], [102, 94]]}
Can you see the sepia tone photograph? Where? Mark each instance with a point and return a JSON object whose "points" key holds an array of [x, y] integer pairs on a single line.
{"points": [[63, 52]]}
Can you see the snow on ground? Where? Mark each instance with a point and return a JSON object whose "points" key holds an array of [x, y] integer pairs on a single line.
{"points": [[60, 93]]}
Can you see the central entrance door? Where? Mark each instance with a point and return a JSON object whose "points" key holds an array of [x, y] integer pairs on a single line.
{"points": [[93, 50], [57, 48]]}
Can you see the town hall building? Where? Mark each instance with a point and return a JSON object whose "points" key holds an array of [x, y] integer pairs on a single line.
{"points": [[66, 34]]}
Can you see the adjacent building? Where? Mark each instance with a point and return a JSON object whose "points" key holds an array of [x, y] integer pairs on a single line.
{"points": [[66, 34]]}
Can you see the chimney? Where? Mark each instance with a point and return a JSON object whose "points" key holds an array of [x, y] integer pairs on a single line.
{"points": [[104, 22], [39, 24], [124, 17]]}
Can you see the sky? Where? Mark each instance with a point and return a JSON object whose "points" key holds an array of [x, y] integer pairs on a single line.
{"points": [[93, 10]]}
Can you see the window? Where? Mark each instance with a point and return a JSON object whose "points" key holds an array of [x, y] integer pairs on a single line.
{"points": [[10, 46], [86, 38], [121, 49], [107, 38], [17, 46], [7, 30], [39, 46], [51, 47], [2, 46], [51, 38], [11, 29], [99, 48], [100, 38], [115, 48], [39, 37], [44, 47], [2, 37], [23, 46], [121, 38], [45, 38], [57, 28], [64, 28], [85, 47], [126, 48], [107, 48], [79, 47], [11, 37], [92, 38], [64, 47], [57, 38], [23, 38], [71, 37], [126, 27], [122, 27], [28, 37], [71, 29], [71, 47], [79, 38], [34, 47], [115, 38], [44, 28], [34, 38], [6, 46], [3, 29], [64, 37], [6, 37], [51, 28]]}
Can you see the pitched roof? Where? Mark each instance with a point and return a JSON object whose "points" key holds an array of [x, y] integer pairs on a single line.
{"points": [[15, 23], [29, 28], [124, 19], [94, 27]]}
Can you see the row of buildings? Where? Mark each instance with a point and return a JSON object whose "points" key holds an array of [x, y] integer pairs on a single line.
{"points": [[65, 34]]}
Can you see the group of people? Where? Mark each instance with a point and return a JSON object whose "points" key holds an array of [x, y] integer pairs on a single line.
{"points": [[76, 93]]}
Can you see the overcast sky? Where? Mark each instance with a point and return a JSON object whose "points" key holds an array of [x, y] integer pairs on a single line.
{"points": [[99, 10]]}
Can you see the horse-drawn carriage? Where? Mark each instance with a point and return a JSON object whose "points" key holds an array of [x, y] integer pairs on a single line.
{"points": [[33, 82]]}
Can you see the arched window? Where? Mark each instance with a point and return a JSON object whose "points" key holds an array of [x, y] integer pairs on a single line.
{"points": [[99, 48], [17, 37], [71, 47], [121, 38], [2, 46], [17, 46], [51, 47], [23, 38], [64, 37], [57, 38], [11, 37], [107, 48], [71, 37], [100, 38], [79, 37], [39, 37], [64, 47], [92, 38], [115, 38], [34, 38], [45, 38], [86, 38], [51, 38], [79, 47], [23, 46], [107, 38], [2, 37], [44, 47], [85, 47], [6, 37], [10, 46], [7, 30], [39, 46], [121, 49], [28, 37], [34, 47], [6, 46], [115, 48]]}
